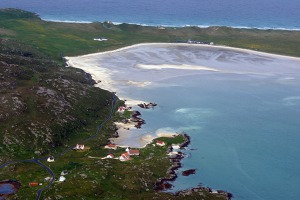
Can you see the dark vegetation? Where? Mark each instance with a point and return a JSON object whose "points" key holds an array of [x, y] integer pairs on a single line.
{"points": [[42, 103]]}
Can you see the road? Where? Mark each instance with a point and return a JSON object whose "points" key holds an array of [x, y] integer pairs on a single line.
{"points": [[38, 160]]}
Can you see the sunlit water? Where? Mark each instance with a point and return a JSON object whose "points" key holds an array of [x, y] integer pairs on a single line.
{"points": [[243, 119]]}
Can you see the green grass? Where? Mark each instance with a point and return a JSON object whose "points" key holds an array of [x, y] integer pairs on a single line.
{"points": [[69, 39]]}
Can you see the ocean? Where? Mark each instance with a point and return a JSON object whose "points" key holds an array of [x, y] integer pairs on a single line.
{"points": [[241, 111], [263, 14]]}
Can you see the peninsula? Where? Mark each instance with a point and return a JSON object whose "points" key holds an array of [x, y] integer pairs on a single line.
{"points": [[48, 109]]}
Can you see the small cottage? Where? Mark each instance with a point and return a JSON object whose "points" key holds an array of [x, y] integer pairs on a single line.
{"points": [[79, 147], [111, 146], [160, 143], [110, 156], [121, 109], [61, 179], [33, 184], [50, 159], [124, 157], [134, 152]]}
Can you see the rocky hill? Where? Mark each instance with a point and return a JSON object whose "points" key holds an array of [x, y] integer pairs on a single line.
{"points": [[43, 103]]}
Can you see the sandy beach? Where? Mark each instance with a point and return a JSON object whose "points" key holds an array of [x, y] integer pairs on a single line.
{"points": [[153, 64]]}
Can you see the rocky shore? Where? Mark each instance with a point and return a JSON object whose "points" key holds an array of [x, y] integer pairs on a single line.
{"points": [[163, 184]]}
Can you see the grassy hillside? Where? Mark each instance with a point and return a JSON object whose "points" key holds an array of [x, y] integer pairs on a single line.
{"points": [[58, 39]]}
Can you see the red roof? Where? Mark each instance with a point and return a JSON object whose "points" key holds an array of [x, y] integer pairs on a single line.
{"points": [[125, 156], [110, 146], [121, 108], [134, 152], [32, 184]]}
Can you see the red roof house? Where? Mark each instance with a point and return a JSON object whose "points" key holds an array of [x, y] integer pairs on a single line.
{"points": [[121, 109], [111, 146], [124, 157], [134, 152], [33, 184], [160, 143], [110, 156]]}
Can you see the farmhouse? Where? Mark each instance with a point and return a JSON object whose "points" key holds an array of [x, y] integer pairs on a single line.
{"points": [[124, 157], [110, 146]]}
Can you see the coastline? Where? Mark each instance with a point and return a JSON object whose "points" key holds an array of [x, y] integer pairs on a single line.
{"points": [[104, 80], [288, 99], [186, 44], [176, 26], [271, 56]]}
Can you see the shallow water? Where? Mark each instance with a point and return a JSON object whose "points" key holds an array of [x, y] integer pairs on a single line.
{"points": [[6, 189], [243, 119]]}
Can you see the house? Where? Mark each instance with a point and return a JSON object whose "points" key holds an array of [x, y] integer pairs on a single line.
{"points": [[33, 184], [50, 159], [79, 147], [110, 146], [176, 146], [134, 152], [160, 143], [63, 173], [110, 156], [61, 179], [121, 109], [124, 157]]}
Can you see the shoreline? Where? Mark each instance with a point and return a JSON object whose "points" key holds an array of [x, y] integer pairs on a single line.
{"points": [[172, 26], [186, 44], [163, 183], [104, 80]]}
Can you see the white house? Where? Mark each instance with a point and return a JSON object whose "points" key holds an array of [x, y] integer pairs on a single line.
{"points": [[79, 147], [50, 159], [110, 156], [175, 146], [61, 179]]}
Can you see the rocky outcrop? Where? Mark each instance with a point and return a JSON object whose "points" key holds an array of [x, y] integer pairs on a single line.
{"points": [[188, 172], [164, 183]]}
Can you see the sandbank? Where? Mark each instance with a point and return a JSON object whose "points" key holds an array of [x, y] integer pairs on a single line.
{"points": [[189, 45]]}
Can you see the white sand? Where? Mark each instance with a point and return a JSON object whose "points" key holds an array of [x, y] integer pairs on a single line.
{"points": [[190, 45], [121, 125], [152, 64], [186, 67]]}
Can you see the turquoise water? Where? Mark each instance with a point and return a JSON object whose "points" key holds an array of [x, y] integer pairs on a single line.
{"points": [[242, 13], [243, 118], [244, 131]]}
